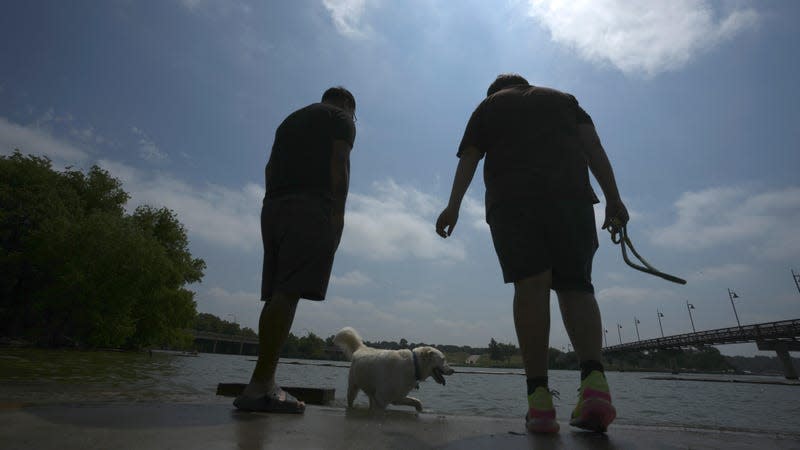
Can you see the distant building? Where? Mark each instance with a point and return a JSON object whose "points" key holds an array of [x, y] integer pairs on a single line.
{"points": [[472, 359]]}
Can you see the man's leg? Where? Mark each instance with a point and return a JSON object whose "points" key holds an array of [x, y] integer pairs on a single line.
{"points": [[273, 329], [584, 326], [532, 321], [582, 321]]}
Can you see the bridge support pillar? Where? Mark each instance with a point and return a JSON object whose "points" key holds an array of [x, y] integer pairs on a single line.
{"points": [[788, 367], [673, 366], [782, 349]]}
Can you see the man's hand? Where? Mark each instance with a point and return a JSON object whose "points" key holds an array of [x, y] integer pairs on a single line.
{"points": [[616, 214], [446, 222]]}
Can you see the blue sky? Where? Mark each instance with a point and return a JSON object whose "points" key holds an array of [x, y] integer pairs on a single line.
{"points": [[696, 103]]}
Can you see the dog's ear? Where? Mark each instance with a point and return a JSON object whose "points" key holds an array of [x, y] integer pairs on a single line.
{"points": [[425, 354]]}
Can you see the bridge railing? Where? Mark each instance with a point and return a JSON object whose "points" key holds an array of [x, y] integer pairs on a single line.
{"points": [[785, 329], [211, 336]]}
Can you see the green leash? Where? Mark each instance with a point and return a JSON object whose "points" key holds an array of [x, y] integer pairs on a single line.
{"points": [[619, 235]]}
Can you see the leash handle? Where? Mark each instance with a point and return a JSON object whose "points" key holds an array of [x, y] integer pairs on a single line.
{"points": [[619, 235]]}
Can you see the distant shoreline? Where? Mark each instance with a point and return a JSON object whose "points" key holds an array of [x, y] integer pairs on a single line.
{"points": [[733, 380], [12, 343]]}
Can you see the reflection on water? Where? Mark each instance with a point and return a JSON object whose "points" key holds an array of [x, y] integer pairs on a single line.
{"points": [[45, 376]]}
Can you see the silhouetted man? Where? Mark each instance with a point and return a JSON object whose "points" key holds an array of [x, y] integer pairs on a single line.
{"points": [[307, 179], [538, 143]]}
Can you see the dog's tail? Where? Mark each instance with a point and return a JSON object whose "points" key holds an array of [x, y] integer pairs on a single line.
{"points": [[349, 341]]}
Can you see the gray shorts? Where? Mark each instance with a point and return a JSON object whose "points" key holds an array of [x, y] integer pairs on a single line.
{"points": [[300, 240], [542, 235]]}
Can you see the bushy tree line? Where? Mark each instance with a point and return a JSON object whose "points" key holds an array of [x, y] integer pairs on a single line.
{"points": [[759, 363], [309, 346], [701, 359], [76, 269], [213, 324]]}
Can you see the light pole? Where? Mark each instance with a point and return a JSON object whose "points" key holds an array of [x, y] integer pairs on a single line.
{"points": [[732, 295], [690, 307], [241, 335], [605, 335], [636, 323], [660, 315], [619, 327], [796, 277]]}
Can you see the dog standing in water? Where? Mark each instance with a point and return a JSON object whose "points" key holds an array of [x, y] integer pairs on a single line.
{"points": [[387, 376]]}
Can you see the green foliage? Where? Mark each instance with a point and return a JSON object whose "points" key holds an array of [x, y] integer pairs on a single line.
{"points": [[309, 346], [705, 359], [502, 352], [213, 324], [76, 270]]}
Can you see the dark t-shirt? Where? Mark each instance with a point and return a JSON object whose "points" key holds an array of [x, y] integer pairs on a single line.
{"points": [[303, 149], [529, 136]]}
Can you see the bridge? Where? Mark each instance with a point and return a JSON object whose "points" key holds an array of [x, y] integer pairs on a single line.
{"points": [[782, 337], [225, 343]]}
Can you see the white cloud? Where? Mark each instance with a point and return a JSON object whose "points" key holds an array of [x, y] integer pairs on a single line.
{"points": [[640, 36], [616, 295], [354, 279], [723, 272], [415, 306], [34, 140], [475, 212], [764, 223], [87, 134], [396, 223], [216, 7], [347, 15], [371, 321], [215, 214], [244, 306], [148, 150]]}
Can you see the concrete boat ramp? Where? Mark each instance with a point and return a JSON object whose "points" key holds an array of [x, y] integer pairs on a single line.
{"points": [[217, 425]]}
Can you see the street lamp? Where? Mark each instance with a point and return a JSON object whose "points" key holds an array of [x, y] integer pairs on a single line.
{"points": [[619, 327], [636, 322], [241, 335], [690, 307], [732, 295], [605, 335], [660, 315]]}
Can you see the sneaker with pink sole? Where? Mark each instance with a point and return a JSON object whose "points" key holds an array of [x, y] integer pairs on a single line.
{"points": [[541, 417], [594, 410]]}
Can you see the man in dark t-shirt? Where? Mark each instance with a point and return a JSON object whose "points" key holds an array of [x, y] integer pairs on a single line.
{"points": [[302, 216], [539, 145]]}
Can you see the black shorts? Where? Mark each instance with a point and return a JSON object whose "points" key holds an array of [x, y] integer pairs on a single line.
{"points": [[300, 240], [542, 235]]}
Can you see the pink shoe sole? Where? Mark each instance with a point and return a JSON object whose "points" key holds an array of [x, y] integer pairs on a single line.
{"points": [[596, 415], [542, 426]]}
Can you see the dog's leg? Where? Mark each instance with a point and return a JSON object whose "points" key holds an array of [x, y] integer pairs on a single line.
{"points": [[377, 404], [409, 401], [352, 392]]}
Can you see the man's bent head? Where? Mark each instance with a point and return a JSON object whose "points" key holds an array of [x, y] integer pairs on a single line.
{"points": [[341, 97], [505, 80]]}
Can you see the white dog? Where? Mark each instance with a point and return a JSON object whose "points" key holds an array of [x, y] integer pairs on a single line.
{"points": [[387, 376]]}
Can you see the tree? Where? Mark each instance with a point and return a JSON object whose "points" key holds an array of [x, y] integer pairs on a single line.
{"points": [[506, 351], [494, 350], [76, 270]]}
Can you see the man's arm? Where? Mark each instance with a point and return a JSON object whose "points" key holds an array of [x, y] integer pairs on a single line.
{"points": [[465, 170], [601, 169]]}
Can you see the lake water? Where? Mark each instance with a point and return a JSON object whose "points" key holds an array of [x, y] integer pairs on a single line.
{"points": [[47, 376]]}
